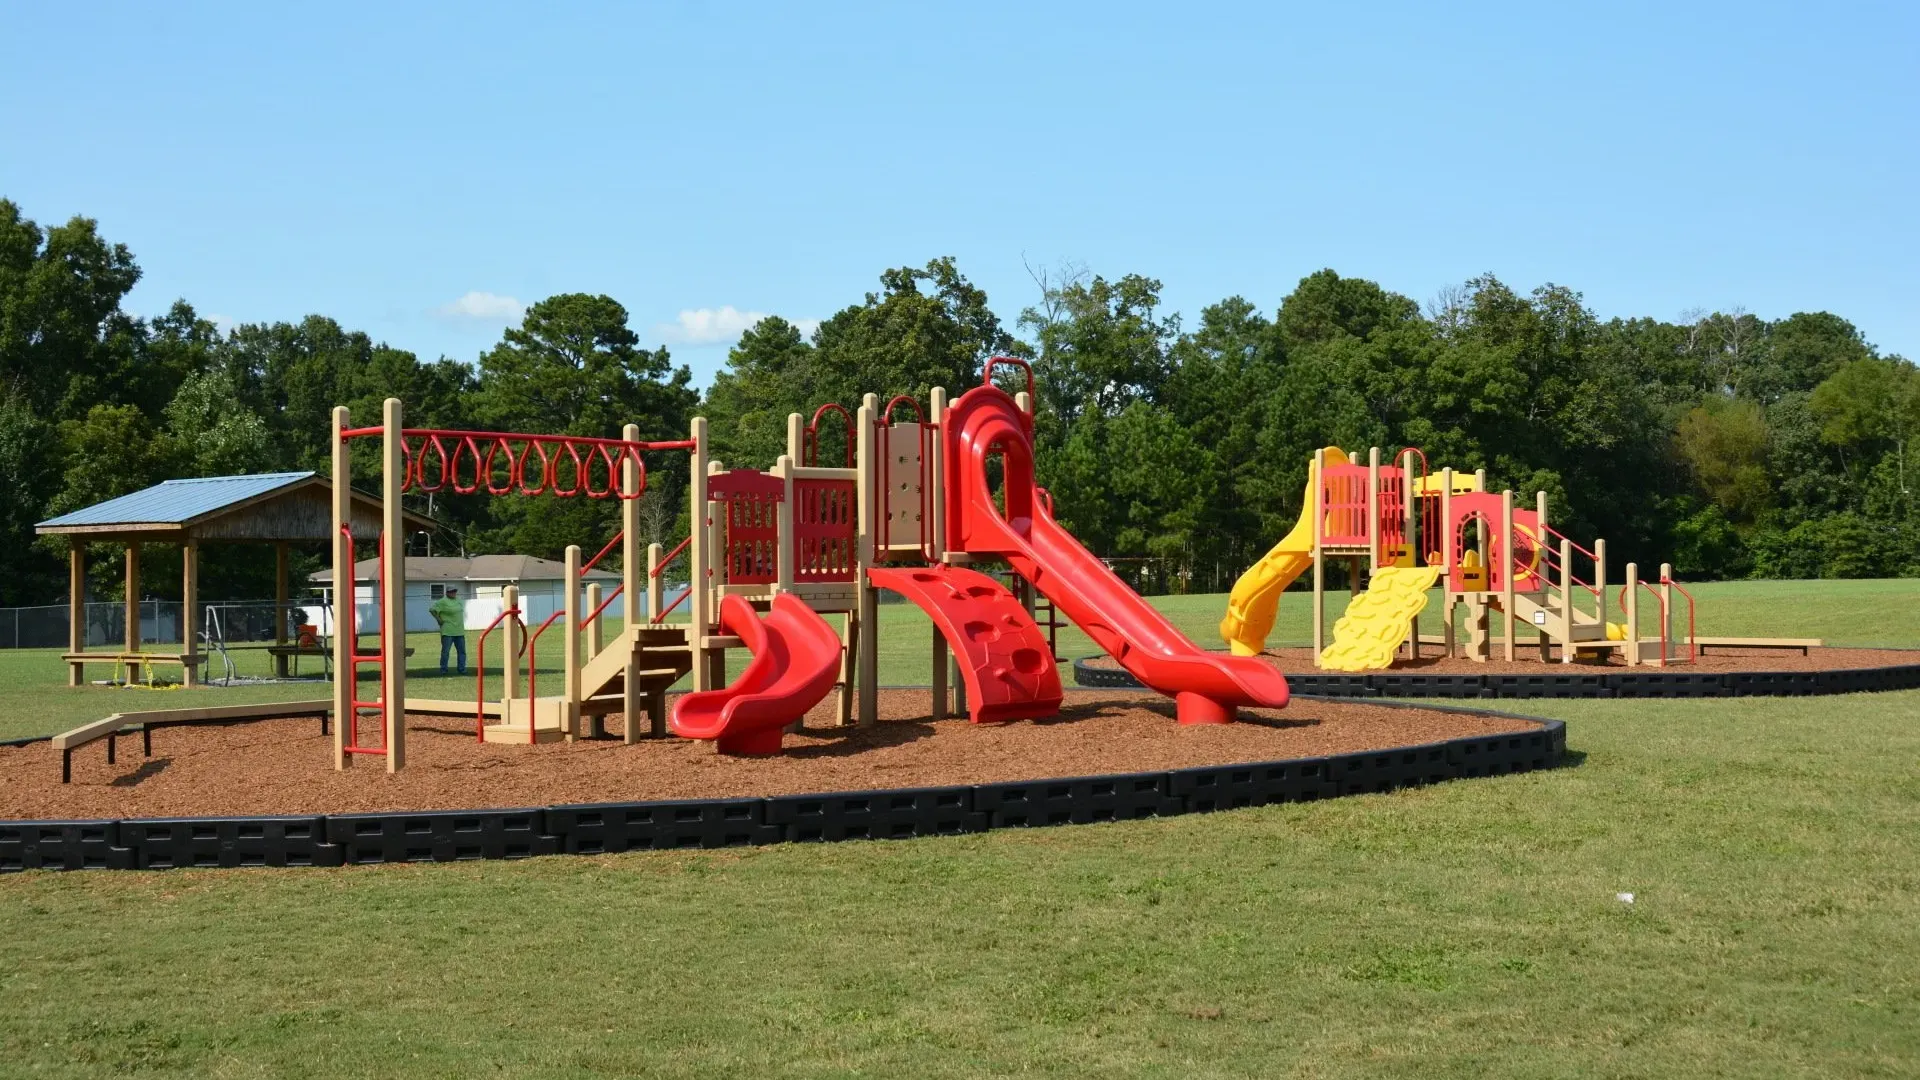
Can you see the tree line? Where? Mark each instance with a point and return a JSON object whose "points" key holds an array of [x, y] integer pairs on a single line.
{"points": [[1730, 445]]}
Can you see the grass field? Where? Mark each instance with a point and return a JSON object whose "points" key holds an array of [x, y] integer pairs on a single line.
{"points": [[1472, 929]]}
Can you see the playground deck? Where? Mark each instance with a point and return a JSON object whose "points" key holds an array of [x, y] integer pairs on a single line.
{"points": [[279, 766]]}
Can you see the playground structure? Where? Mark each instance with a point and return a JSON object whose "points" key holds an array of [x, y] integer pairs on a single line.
{"points": [[916, 505], [1409, 531]]}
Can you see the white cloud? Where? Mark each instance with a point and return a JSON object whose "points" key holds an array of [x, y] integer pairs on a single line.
{"points": [[222, 323], [717, 326], [490, 307]]}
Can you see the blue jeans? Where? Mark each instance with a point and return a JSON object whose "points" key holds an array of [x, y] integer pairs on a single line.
{"points": [[459, 646]]}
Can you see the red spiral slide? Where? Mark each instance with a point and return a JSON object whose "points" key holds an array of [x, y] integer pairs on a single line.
{"points": [[984, 423], [796, 660]]}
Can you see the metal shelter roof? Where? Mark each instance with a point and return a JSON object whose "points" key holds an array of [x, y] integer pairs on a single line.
{"points": [[176, 502], [282, 506]]}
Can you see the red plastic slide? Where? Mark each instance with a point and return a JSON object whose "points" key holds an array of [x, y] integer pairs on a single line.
{"points": [[1003, 656], [796, 660], [985, 422]]}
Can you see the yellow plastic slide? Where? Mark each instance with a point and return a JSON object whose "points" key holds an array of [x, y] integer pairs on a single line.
{"points": [[1256, 596], [1379, 619]]}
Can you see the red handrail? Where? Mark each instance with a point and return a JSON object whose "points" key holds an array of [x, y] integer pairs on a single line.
{"points": [[480, 672], [533, 673], [810, 442], [1692, 649], [670, 556], [684, 593], [617, 537], [986, 375], [886, 414], [604, 604], [1633, 632]]}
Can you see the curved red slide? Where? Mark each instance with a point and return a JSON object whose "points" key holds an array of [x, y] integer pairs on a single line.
{"points": [[796, 660], [1004, 658], [985, 422]]}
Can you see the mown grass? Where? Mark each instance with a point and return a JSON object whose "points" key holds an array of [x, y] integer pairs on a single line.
{"points": [[35, 700], [1772, 847]]}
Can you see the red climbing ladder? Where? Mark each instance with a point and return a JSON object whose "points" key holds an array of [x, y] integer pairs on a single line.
{"points": [[346, 601]]}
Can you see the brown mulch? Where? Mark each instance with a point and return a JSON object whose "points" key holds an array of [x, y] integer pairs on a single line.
{"points": [[1299, 661], [285, 766]]}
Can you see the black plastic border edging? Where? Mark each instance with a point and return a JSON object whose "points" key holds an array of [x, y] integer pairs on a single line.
{"points": [[1654, 683], [459, 835]]}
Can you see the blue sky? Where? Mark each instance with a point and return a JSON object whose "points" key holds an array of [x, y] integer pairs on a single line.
{"points": [[379, 163]]}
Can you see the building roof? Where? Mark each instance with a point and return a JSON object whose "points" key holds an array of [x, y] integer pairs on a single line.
{"points": [[175, 502], [274, 506], [487, 569]]}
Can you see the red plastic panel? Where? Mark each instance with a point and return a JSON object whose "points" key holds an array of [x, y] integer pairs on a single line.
{"points": [[1003, 655], [1343, 491], [753, 524], [824, 522], [1393, 511], [1528, 546]]}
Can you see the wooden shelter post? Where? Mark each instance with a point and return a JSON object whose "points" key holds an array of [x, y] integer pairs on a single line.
{"points": [[189, 608], [131, 639], [76, 610]]}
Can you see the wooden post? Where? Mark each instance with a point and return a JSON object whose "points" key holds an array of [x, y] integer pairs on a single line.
{"points": [[632, 584], [1566, 597], [1600, 580], [1447, 555], [1373, 514], [345, 588], [570, 648], [787, 553], [1633, 615], [717, 568], [393, 544], [937, 537], [654, 600], [1542, 545], [596, 628], [698, 557], [1506, 569], [510, 654], [1480, 479], [1318, 515], [868, 670], [131, 605], [1409, 532], [76, 609], [190, 603], [282, 605], [1666, 605]]}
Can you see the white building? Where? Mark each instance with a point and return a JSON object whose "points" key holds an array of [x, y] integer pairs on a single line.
{"points": [[479, 579]]}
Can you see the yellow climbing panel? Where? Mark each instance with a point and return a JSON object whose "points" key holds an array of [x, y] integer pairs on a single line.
{"points": [[1377, 621]]}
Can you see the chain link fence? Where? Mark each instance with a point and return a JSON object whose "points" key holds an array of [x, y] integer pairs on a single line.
{"points": [[229, 621]]}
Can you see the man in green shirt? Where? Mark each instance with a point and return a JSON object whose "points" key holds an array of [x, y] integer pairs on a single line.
{"points": [[451, 614]]}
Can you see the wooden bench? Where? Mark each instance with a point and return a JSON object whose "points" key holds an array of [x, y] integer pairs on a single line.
{"points": [[133, 661], [110, 727], [1803, 644]]}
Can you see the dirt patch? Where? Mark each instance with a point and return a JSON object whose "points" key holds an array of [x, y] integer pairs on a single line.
{"points": [[1527, 662], [285, 766]]}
